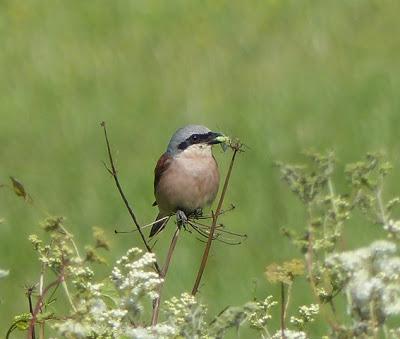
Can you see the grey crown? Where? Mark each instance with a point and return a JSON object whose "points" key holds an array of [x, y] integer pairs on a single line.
{"points": [[182, 134]]}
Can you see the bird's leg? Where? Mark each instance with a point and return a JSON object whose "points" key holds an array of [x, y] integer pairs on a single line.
{"points": [[181, 218]]}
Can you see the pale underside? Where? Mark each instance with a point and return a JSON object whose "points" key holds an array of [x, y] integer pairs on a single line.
{"points": [[190, 182]]}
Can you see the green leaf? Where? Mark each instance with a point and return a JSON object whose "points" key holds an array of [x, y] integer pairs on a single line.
{"points": [[18, 188], [21, 321]]}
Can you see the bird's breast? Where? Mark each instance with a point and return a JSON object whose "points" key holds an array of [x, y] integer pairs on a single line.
{"points": [[189, 183]]}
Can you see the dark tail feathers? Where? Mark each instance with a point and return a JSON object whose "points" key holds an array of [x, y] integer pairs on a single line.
{"points": [[158, 226]]}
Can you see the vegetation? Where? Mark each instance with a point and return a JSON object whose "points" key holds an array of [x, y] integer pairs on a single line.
{"points": [[283, 76], [366, 280]]}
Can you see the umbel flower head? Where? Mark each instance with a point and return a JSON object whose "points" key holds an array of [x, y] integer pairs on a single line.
{"points": [[371, 278], [131, 281]]}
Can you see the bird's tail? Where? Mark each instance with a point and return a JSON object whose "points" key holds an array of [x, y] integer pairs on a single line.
{"points": [[159, 224]]}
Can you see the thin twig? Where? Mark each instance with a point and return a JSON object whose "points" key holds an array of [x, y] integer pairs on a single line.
{"points": [[289, 293], [71, 239], [65, 286], [213, 225], [309, 266], [113, 172], [39, 304], [156, 306], [144, 226], [282, 310], [29, 294], [381, 208]]}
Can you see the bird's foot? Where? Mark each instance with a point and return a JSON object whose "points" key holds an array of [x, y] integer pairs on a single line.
{"points": [[197, 213], [181, 218]]}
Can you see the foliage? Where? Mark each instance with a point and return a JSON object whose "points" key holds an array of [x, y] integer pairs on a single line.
{"points": [[367, 279], [283, 74]]}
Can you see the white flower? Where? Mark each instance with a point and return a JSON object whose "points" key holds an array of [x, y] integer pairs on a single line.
{"points": [[388, 267], [289, 334], [392, 226], [159, 331], [391, 299], [72, 329], [382, 247], [350, 261], [3, 273]]}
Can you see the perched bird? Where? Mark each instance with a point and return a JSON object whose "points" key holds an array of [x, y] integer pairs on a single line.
{"points": [[186, 177]]}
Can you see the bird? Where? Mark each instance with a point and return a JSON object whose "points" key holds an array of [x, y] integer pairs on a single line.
{"points": [[186, 177]]}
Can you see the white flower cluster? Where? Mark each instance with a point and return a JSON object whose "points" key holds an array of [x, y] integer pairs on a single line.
{"points": [[159, 331], [82, 276], [259, 318], [393, 227], [372, 276], [186, 315], [306, 315], [3, 273], [289, 334], [105, 318], [134, 278], [72, 329]]}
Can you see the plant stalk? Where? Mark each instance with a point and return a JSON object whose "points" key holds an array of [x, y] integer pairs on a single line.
{"points": [[157, 302], [213, 225]]}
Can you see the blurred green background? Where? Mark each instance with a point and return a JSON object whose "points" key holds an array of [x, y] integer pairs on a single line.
{"points": [[281, 75]]}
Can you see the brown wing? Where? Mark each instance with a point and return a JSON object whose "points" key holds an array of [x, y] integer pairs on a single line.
{"points": [[162, 165]]}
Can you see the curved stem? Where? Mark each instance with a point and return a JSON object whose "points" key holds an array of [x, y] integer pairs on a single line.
{"points": [[113, 172], [213, 226], [163, 273], [39, 303]]}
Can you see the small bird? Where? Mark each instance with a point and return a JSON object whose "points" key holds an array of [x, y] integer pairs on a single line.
{"points": [[186, 177]]}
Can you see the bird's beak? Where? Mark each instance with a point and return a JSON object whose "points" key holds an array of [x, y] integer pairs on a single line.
{"points": [[217, 138]]}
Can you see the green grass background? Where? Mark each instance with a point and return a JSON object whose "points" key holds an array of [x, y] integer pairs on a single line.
{"points": [[283, 76]]}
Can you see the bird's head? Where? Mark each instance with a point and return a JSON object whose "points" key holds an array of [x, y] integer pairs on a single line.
{"points": [[194, 138]]}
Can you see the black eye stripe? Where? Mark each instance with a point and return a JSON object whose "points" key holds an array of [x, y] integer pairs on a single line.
{"points": [[194, 139]]}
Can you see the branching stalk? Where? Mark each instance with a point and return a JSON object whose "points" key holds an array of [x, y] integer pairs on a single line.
{"points": [[157, 302], [213, 225], [114, 174], [39, 304], [379, 200], [289, 293], [309, 265], [282, 310], [70, 236], [65, 286]]}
